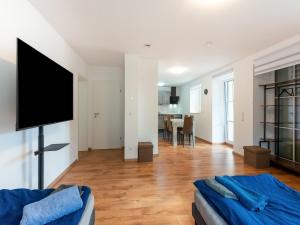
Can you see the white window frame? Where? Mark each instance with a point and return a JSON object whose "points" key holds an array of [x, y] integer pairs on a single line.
{"points": [[196, 109], [226, 109]]}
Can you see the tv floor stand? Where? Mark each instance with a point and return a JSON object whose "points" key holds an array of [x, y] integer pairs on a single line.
{"points": [[40, 152]]}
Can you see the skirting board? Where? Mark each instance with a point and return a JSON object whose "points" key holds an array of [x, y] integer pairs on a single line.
{"points": [[208, 142], [229, 145], [238, 154], [130, 160], [203, 140], [61, 175], [104, 149]]}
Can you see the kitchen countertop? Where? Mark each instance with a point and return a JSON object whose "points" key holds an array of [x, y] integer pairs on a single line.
{"points": [[165, 114]]}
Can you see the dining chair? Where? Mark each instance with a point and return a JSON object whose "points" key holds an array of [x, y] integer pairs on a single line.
{"points": [[165, 132], [179, 129], [169, 129], [187, 130]]}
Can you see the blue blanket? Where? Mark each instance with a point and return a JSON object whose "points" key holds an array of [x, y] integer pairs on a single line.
{"points": [[52, 207], [219, 188], [250, 199], [13, 201], [283, 206]]}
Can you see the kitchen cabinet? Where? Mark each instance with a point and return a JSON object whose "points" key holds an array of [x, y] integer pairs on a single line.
{"points": [[164, 97]]}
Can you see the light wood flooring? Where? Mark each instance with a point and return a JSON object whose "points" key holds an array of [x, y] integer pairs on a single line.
{"points": [[160, 192]]}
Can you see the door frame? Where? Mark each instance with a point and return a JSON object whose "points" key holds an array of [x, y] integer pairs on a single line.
{"points": [[92, 112], [226, 109]]}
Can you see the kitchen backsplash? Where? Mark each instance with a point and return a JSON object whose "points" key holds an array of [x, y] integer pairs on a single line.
{"points": [[169, 109]]}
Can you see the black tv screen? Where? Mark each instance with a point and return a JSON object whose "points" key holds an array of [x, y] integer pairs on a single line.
{"points": [[44, 89]]}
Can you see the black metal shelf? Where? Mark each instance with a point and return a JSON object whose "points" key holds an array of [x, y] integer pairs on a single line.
{"points": [[52, 148], [268, 139], [292, 96], [284, 106], [280, 105], [281, 84], [282, 127]]}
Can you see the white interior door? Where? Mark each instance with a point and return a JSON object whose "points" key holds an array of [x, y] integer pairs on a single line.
{"points": [[107, 114]]}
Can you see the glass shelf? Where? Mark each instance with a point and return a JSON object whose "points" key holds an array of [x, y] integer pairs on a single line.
{"points": [[295, 96], [281, 108], [278, 105], [280, 127]]}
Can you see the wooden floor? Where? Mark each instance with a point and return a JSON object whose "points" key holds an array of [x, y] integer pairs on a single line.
{"points": [[160, 192]]}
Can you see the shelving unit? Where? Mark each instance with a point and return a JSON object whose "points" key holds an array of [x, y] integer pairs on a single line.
{"points": [[285, 111]]}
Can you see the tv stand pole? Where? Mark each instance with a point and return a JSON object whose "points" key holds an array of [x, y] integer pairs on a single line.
{"points": [[41, 158], [40, 152]]}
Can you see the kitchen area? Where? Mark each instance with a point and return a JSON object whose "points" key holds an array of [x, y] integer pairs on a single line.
{"points": [[168, 105], [168, 108], [171, 121]]}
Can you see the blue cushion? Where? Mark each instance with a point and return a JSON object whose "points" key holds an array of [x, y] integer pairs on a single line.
{"points": [[52, 207]]}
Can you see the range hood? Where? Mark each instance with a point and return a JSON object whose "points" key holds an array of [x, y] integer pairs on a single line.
{"points": [[173, 98]]}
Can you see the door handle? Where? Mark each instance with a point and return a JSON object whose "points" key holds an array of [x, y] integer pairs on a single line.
{"points": [[96, 114]]}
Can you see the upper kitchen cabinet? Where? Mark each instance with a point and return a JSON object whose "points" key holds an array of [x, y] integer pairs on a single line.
{"points": [[164, 94]]}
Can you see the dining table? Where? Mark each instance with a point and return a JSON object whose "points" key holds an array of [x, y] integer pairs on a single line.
{"points": [[176, 123]]}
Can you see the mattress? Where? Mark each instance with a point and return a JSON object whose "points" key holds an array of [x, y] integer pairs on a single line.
{"points": [[210, 216], [88, 215]]}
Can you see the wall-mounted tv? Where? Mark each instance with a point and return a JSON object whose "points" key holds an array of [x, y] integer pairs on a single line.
{"points": [[44, 89]]}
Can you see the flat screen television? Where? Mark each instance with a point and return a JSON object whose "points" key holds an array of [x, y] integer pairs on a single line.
{"points": [[44, 89]]}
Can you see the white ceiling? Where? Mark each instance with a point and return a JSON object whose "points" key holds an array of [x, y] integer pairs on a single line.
{"points": [[101, 31]]}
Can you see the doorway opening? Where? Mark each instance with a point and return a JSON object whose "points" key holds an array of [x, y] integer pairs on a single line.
{"points": [[106, 118]]}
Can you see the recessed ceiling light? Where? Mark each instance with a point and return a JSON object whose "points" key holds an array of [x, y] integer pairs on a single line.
{"points": [[210, 2], [161, 84], [147, 45], [177, 70], [209, 44]]}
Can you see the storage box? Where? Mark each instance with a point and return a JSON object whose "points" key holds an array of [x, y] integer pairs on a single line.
{"points": [[145, 152], [257, 157]]}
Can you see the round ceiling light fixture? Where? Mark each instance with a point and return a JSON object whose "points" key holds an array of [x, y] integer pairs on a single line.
{"points": [[161, 84], [177, 70], [210, 2], [147, 45], [209, 44]]}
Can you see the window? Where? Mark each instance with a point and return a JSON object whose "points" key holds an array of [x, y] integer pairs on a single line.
{"points": [[229, 87], [195, 99]]}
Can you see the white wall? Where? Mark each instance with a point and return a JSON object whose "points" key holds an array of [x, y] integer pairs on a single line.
{"points": [[147, 102], [141, 103], [243, 104], [218, 108], [18, 165], [131, 106], [245, 108], [83, 115], [203, 120], [102, 73]]}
